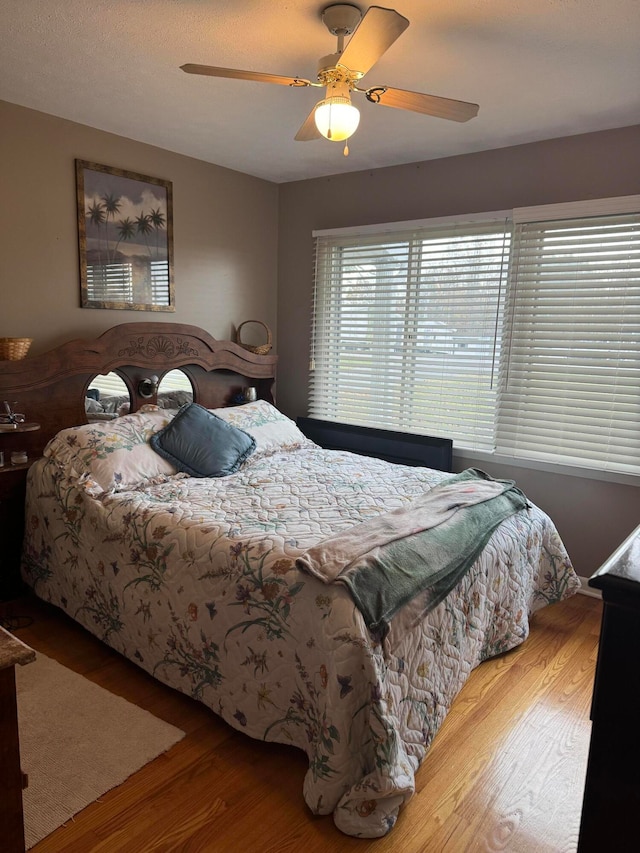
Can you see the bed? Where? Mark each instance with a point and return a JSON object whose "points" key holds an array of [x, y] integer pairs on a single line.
{"points": [[198, 580]]}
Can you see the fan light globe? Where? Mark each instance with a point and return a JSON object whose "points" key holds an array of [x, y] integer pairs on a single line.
{"points": [[336, 118]]}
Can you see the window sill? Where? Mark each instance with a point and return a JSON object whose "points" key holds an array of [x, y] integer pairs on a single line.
{"points": [[460, 453]]}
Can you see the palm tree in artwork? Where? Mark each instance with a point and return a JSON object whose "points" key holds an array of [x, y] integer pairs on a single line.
{"points": [[157, 220], [144, 227], [126, 231], [95, 213], [111, 205]]}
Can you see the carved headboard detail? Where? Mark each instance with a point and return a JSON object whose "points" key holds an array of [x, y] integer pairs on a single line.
{"points": [[50, 388]]}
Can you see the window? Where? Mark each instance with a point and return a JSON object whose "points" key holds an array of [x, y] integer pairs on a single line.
{"points": [[405, 329], [571, 384], [517, 334]]}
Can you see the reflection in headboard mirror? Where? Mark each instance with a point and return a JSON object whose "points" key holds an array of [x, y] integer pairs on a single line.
{"points": [[174, 390], [107, 397]]}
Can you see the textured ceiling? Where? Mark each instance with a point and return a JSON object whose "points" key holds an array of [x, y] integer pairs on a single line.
{"points": [[538, 68]]}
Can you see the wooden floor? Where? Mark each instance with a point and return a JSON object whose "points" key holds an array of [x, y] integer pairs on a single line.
{"points": [[505, 772]]}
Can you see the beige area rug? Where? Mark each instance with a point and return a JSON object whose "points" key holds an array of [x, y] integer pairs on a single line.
{"points": [[77, 741]]}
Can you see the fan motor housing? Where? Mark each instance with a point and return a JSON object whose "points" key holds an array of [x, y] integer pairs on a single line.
{"points": [[328, 62], [330, 71], [341, 19]]}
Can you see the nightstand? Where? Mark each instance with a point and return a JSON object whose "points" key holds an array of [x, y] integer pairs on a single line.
{"points": [[13, 481]]}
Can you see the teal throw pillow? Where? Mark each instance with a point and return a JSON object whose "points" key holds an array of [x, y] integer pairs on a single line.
{"points": [[201, 444]]}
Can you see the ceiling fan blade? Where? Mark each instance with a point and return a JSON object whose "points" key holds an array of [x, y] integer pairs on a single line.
{"points": [[213, 71], [430, 105], [375, 34], [308, 131]]}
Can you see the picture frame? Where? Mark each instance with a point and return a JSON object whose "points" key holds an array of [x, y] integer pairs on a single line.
{"points": [[125, 239]]}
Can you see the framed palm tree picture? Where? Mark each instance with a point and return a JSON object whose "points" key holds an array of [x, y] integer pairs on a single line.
{"points": [[125, 238]]}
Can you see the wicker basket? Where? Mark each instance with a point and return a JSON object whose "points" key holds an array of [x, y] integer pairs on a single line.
{"points": [[12, 349], [262, 349]]}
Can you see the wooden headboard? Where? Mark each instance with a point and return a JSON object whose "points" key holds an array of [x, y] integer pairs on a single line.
{"points": [[50, 388]]}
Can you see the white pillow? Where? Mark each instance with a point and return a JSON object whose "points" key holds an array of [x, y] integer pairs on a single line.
{"points": [[271, 430], [116, 455]]}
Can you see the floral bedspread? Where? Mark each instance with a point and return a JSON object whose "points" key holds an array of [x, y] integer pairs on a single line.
{"points": [[195, 581]]}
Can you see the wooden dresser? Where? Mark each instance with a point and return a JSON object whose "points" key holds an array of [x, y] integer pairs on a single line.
{"points": [[13, 652], [611, 803]]}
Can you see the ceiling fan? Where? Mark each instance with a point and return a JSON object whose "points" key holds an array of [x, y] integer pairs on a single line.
{"points": [[335, 117]]}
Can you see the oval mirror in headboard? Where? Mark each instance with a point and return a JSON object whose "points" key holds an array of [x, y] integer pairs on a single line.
{"points": [[174, 390], [107, 397]]}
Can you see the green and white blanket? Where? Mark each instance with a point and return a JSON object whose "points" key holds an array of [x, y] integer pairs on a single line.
{"points": [[428, 544]]}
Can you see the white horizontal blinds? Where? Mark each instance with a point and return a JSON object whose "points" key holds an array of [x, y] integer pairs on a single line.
{"points": [[571, 377], [175, 380], [109, 385], [110, 282], [160, 291], [405, 329]]}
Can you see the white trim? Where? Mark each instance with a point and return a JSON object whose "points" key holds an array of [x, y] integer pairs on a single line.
{"points": [[564, 210], [577, 209], [411, 224], [585, 589], [551, 467]]}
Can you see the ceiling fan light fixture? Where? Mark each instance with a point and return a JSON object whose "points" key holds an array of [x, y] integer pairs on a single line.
{"points": [[370, 35], [336, 118]]}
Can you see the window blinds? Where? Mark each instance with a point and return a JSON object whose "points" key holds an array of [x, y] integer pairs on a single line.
{"points": [[407, 329], [570, 372], [420, 328]]}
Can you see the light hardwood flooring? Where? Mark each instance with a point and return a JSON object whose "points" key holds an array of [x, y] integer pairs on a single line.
{"points": [[505, 773]]}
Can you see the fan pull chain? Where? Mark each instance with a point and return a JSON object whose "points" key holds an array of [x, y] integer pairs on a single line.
{"points": [[346, 148]]}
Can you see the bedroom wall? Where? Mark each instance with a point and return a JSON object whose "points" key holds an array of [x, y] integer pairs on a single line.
{"points": [[242, 246], [225, 233], [592, 516]]}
